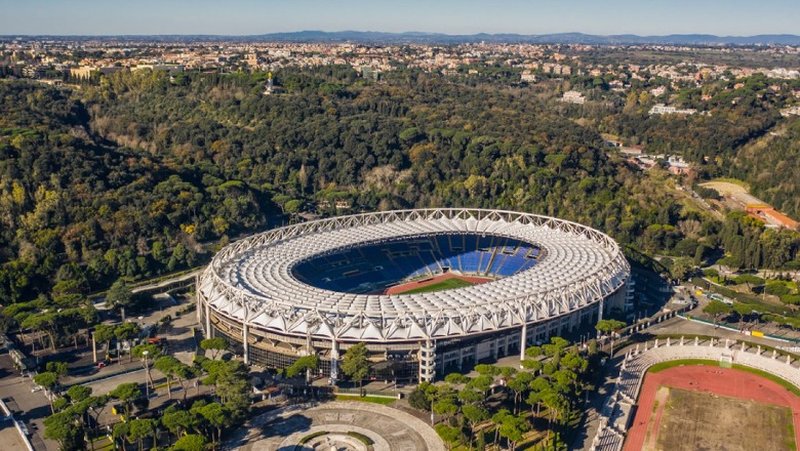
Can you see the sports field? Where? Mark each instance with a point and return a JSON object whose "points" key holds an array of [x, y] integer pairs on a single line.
{"points": [[700, 407], [446, 284], [691, 420], [441, 282]]}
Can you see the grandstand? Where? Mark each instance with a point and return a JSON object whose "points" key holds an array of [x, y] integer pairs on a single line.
{"points": [[321, 286], [374, 267]]}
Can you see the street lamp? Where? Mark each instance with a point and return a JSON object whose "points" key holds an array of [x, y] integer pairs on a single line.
{"points": [[146, 374]]}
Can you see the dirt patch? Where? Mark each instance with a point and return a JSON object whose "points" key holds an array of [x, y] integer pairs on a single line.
{"points": [[725, 188], [694, 421], [658, 411]]}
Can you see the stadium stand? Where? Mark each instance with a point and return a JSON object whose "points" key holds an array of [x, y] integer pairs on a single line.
{"points": [[376, 266]]}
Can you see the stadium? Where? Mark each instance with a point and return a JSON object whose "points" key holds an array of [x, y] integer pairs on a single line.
{"points": [[427, 290]]}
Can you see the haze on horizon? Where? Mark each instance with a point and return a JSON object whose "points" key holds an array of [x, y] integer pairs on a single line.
{"points": [[250, 17]]}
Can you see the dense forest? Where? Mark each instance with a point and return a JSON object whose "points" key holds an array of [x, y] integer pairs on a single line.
{"points": [[129, 177]]}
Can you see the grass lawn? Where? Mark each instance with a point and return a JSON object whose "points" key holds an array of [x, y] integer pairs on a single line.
{"points": [[372, 399], [782, 382], [439, 286], [103, 444]]}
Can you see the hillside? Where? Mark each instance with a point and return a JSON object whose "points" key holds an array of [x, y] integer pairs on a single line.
{"points": [[125, 178]]}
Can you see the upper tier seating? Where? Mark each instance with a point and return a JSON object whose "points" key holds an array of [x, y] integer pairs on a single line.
{"points": [[374, 267]]}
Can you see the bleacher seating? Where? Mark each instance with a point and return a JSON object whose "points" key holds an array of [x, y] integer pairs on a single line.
{"points": [[374, 267]]}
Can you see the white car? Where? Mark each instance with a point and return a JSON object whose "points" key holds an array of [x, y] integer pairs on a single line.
{"points": [[36, 389]]}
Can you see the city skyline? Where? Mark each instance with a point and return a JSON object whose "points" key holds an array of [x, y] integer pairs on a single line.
{"points": [[252, 17]]}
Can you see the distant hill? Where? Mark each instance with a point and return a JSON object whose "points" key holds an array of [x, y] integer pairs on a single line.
{"points": [[557, 38], [377, 37]]}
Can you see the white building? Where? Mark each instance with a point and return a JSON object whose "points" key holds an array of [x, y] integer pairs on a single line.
{"points": [[660, 108], [794, 110], [573, 97]]}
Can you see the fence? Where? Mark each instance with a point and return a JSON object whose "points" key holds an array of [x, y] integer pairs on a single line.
{"points": [[736, 329], [379, 394]]}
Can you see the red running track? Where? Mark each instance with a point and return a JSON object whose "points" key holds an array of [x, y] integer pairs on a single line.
{"points": [[710, 379]]}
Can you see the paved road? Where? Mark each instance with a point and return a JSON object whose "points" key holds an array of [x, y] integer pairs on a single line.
{"points": [[679, 326], [167, 282], [605, 379]]}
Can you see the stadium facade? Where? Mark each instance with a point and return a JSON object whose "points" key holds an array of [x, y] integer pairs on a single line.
{"points": [[320, 287]]}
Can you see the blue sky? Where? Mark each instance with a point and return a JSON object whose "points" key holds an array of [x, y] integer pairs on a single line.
{"points": [[241, 17]]}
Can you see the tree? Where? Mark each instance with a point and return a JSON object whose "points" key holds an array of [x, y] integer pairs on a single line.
{"points": [[446, 408], [519, 385], [533, 352], [555, 403], [104, 333], [682, 268], [179, 422], [119, 296], [471, 396], [78, 393], [743, 310], [609, 326], [304, 365], [60, 368], [120, 433], [233, 388], [539, 387], [215, 345], [497, 420], [456, 378], [606, 326], [481, 383], [166, 365], [487, 370], [183, 373], [592, 347], [217, 417], [190, 442], [141, 429], [127, 332], [717, 309], [63, 428], [47, 380], [146, 353], [556, 345], [512, 428], [448, 434], [418, 400], [474, 415], [96, 405], [356, 364], [127, 393]]}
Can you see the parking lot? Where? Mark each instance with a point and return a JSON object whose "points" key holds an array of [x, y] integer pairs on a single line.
{"points": [[28, 407]]}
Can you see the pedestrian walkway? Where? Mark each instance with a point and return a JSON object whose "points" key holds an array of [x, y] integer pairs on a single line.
{"points": [[388, 428]]}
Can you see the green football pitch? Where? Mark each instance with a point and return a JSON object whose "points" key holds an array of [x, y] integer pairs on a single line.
{"points": [[447, 284]]}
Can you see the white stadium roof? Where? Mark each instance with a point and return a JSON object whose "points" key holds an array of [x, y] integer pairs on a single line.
{"points": [[251, 280]]}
